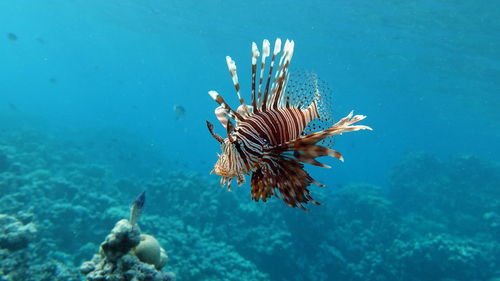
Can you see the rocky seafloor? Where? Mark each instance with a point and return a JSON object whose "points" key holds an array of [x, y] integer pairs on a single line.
{"points": [[438, 219]]}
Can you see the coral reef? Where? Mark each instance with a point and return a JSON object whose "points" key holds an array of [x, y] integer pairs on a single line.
{"points": [[457, 193], [438, 219], [15, 235], [4, 162], [117, 262], [439, 257], [18, 261]]}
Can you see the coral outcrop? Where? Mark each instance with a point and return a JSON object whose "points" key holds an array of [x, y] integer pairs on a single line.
{"points": [[18, 259], [149, 251], [117, 261], [441, 256], [15, 235]]}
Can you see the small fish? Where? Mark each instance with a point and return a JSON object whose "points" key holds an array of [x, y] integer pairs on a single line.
{"points": [[11, 36], [279, 131], [136, 207], [53, 80], [179, 111], [13, 107]]}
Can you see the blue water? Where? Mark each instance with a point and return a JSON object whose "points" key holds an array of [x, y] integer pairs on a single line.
{"points": [[426, 73], [422, 72]]}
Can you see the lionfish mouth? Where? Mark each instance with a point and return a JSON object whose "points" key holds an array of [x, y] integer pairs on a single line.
{"points": [[219, 172], [225, 179], [223, 172]]}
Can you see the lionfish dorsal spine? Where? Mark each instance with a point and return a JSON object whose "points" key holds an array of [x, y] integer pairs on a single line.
{"points": [[266, 51], [273, 96], [277, 49], [255, 56], [224, 109], [243, 109], [281, 75]]}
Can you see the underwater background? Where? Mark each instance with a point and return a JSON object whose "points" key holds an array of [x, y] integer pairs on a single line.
{"points": [[100, 100]]}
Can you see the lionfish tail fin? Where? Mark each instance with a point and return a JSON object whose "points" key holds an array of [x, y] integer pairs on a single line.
{"points": [[286, 175]]}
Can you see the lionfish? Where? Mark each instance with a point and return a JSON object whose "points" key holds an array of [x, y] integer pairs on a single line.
{"points": [[275, 135]]}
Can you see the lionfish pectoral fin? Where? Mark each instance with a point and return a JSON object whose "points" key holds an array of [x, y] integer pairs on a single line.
{"points": [[306, 149], [306, 153], [311, 160], [345, 125], [259, 188], [288, 176]]}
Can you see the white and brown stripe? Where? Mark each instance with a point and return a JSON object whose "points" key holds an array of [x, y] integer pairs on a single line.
{"points": [[267, 140]]}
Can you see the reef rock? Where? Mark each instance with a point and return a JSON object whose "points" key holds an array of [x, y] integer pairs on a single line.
{"points": [[150, 251], [15, 235], [121, 240], [116, 261], [443, 257]]}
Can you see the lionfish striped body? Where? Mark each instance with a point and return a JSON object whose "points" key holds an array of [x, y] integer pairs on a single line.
{"points": [[269, 138]]}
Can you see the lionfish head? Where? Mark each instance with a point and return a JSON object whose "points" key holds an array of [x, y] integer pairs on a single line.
{"points": [[230, 164], [222, 166], [225, 164]]}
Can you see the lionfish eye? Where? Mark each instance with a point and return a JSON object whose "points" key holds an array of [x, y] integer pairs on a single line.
{"points": [[237, 144]]}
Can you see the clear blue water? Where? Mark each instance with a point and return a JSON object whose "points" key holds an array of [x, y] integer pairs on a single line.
{"points": [[426, 73]]}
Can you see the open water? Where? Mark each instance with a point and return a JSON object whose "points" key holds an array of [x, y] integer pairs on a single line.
{"points": [[110, 98]]}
